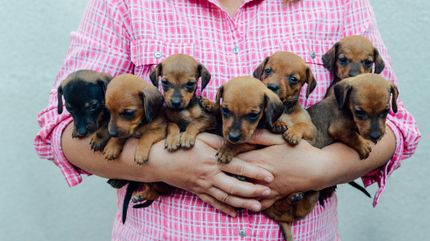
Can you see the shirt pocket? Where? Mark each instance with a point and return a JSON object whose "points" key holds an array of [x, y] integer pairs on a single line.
{"points": [[147, 53]]}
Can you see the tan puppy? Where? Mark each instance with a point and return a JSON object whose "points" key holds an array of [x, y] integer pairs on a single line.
{"points": [[179, 76], [351, 56]]}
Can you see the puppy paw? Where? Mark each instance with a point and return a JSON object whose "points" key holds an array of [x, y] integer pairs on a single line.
{"points": [[112, 151], [206, 104], [141, 156], [292, 136], [187, 141], [364, 149], [172, 142], [224, 155], [279, 127], [97, 143]]}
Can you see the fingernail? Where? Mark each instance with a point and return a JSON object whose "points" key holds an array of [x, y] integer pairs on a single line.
{"points": [[266, 192], [233, 214], [255, 207], [268, 179]]}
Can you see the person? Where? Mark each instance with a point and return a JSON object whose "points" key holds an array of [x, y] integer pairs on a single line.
{"points": [[230, 38]]}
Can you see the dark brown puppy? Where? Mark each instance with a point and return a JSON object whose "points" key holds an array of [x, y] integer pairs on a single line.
{"points": [[355, 114], [243, 112], [351, 56], [179, 76], [84, 92], [285, 73]]}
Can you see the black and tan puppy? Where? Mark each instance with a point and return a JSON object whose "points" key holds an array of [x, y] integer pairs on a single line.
{"points": [[135, 107], [351, 56], [285, 73], [355, 114], [83, 93], [179, 78]]}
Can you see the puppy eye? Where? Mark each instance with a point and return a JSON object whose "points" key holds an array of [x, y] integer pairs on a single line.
{"points": [[128, 114], [343, 61], [292, 79], [225, 112], [268, 71], [165, 84], [93, 107], [360, 114], [190, 86], [384, 114], [253, 116], [367, 63]]}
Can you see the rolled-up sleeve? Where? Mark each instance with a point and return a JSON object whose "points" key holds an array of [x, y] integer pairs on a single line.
{"points": [[360, 20], [100, 43]]}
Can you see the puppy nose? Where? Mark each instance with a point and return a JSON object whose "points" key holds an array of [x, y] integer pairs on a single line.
{"points": [[176, 102], [113, 133], [273, 87], [82, 131], [234, 136], [353, 73], [375, 135]]}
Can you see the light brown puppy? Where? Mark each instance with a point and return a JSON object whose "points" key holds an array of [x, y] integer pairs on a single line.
{"points": [[179, 78], [355, 115], [246, 105], [285, 73], [351, 56]]}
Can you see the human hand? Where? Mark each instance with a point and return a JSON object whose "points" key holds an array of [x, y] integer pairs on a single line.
{"points": [[197, 170]]}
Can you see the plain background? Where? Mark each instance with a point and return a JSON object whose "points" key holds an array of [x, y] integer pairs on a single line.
{"points": [[35, 202]]}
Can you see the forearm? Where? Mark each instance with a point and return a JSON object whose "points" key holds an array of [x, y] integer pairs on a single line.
{"points": [[78, 152], [346, 165]]}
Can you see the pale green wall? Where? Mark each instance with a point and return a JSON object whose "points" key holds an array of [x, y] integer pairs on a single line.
{"points": [[35, 203]]}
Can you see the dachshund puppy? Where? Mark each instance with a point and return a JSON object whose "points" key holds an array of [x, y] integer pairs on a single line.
{"points": [[84, 92], [285, 73], [351, 56], [355, 114], [246, 105], [136, 112], [179, 76]]}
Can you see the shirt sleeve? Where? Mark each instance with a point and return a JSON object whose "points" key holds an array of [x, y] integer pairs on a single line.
{"points": [[360, 20], [100, 43]]}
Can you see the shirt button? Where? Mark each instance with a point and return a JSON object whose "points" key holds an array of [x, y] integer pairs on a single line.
{"points": [[157, 54], [313, 54], [242, 233], [236, 50]]}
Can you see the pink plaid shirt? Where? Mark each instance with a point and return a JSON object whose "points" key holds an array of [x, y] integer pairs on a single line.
{"points": [[118, 36]]}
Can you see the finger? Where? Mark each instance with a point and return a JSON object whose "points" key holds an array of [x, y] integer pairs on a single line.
{"points": [[235, 187], [234, 201], [266, 203], [265, 138], [242, 168], [218, 205], [212, 140]]}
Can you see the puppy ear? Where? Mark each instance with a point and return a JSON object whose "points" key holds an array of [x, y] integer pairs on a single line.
{"points": [[204, 74], [379, 62], [395, 93], [156, 72], [274, 107], [310, 80], [104, 81], [258, 72], [329, 58], [342, 90], [152, 102], [60, 99], [219, 95]]}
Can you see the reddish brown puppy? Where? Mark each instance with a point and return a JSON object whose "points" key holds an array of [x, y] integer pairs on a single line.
{"points": [[351, 56], [179, 78]]}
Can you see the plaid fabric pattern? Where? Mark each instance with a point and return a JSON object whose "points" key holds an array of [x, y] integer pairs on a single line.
{"points": [[117, 36]]}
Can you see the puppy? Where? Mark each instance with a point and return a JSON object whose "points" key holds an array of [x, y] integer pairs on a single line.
{"points": [[179, 76], [83, 93], [351, 56], [136, 112], [285, 73], [355, 114]]}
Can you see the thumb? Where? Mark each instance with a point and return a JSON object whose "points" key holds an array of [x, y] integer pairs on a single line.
{"points": [[265, 138], [212, 140]]}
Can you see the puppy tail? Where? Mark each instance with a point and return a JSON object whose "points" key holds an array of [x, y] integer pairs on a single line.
{"points": [[286, 231], [132, 186], [360, 188]]}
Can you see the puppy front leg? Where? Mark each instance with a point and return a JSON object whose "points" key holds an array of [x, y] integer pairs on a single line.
{"points": [[99, 139], [298, 131], [173, 137], [226, 153], [352, 139], [145, 142], [113, 148], [280, 125], [188, 137]]}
